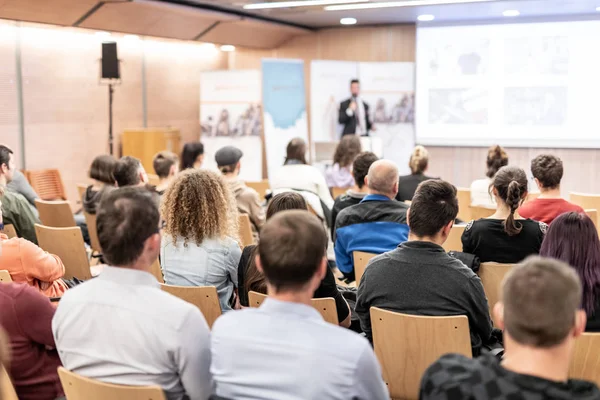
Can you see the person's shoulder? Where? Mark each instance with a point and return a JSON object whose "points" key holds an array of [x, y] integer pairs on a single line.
{"points": [[347, 213], [533, 226], [248, 193], [449, 375], [16, 289], [232, 320]]}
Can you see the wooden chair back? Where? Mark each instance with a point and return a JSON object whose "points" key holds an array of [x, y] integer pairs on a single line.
{"points": [[153, 179], [67, 244], [77, 387], [325, 306], [586, 201], [10, 231], [338, 191], [7, 390], [464, 202], [157, 271], [5, 276], [90, 220], [56, 214], [203, 297], [406, 345], [81, 188], [586, 358], [361, 259], [262, 187], [478, 212], [47, 183], [593, 214], [454, 242], [245, 230], [492, 274]]}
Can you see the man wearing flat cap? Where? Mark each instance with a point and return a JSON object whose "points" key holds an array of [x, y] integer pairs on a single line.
{"points": [[248, 201]]}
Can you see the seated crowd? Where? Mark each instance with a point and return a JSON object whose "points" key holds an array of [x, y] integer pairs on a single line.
{"points": [[121, 327]]}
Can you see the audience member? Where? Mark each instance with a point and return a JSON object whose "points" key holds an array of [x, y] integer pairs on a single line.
{"points": [[20, 184], [354, 195], [251, 279], [15, 208], [199, 244], [129, 171], [419, 277], [26, 317], [296, 174], [166, 167], [573, 239], [505, 237], [192, 156], [377, 224], [547, 171], [285, 349], [101, 172], [121, 327], [418, 163], [340, 174], [248, 201], [540, 317], [480, 189]]}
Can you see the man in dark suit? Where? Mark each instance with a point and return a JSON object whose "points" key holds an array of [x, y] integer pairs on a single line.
{"points": [[354, 113]]}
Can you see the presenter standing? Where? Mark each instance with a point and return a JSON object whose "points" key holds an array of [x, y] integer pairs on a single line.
{"points": [[354, 113]]}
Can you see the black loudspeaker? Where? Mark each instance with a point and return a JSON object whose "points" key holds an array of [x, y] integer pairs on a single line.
{"points": [[110, 61]]}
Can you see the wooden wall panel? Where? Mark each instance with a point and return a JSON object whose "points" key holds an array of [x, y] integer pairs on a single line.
{"points": [[9, 117]]}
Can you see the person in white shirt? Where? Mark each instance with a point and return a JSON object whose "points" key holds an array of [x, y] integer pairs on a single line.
{"points": [[480, 188], [284, 349], [120, 327]]}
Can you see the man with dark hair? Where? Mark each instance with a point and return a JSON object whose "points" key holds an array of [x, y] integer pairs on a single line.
{"points": [[541, 318], [15, 208], [377, 224], [419, 277], [121, 327], [129, 171], [354, 113], [285, 347], [547, 171], [166, 167], [354, 195]]}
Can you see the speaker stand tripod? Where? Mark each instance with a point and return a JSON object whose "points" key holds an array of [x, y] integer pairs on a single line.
{"points": [[110, 117]]}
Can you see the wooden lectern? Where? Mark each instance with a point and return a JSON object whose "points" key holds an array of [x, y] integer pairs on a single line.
{"points": [[145, 143]]}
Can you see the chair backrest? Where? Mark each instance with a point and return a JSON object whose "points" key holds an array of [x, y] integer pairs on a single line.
{"points": [[406, 345], [361, 259], [153, 179], [593, 214], [67, 244], [491, 275], [47, 183], [203, 297], [7, 390], [90, 220], [5, 276], [325, 306], [81, 188], [157, 271], [586, 358], [586, 201], [77, 387], [245, 230], [338, 191], [454, 242], [261, 187], [10, 231], [464, 201], [56, 214], [478, 212]]}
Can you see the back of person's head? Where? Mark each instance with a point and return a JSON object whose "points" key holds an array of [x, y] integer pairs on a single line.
{"points": [[548, 170], [419, 159], [383, 178], [540, 303], [496, 159], [5, 155], [165, 162], [296, 151], [127, 171], [347, 150], [292, 250], [198, 205], [103, 168], [573, 239], [434, 207], [126, 218], [189, 155], [510, 185], [361, 165]]}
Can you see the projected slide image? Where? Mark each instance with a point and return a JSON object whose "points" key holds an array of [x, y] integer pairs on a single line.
{"points": [[392, 109], [460, 58], [538, 106], [458, 106], [231, 120], [547, 55]]}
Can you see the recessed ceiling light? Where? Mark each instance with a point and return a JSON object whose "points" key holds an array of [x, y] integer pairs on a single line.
{"points": [[405, 3], [131, 37], [597, 8], [305, 3], [348, 21], [511, 13], [102, 34], [227, 48], [426, 17]]}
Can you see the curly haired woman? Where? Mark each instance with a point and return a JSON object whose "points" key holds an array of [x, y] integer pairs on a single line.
{"points": [[199, 240]]}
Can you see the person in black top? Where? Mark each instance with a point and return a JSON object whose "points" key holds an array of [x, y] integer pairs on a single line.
{"points": [[541, 320], [573, 239], [251, 279], [419, 160], [504, 237]]}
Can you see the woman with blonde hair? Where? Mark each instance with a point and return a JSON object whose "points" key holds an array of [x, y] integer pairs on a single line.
{"points": [[340, 173], [199, 245], [418, 163]]}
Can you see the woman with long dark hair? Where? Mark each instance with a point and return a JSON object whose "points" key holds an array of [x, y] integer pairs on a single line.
{"points": [[340, 173]]}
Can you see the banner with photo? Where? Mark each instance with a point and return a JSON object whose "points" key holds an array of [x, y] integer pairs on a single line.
{"points": [[230, 115], [284, 107]]}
